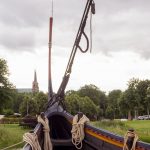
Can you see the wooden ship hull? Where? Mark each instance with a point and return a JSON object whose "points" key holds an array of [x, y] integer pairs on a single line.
{"points": [[60, 121]]}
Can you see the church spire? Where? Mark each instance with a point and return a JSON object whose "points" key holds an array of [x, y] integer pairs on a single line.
{"points": [[35, 78], [35, 87]]}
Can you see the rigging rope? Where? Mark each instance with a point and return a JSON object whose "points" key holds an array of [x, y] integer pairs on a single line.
{"points": [[47, 141], [32, 139], [91, 36], [128, 136], [11, 146], [78, 130]]}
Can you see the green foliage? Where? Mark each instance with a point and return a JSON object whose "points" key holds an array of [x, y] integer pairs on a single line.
{"points": [[8, 112], [11, 134], [129, 99], [17, 100], [92, 92], [10, 120], [118, 127], [6, 88], [75, 103], [4, 73], [41, 100], [112, 110], [142, 90], [96, 95], [32, 103], [135, 99], [28, 106]]}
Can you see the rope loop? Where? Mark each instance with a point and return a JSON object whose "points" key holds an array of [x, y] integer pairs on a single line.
{"points": [[130, 140], [78, 130]]}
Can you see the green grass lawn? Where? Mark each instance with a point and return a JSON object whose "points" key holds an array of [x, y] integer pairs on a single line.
{"points": [[11, 134], [142, 127]]}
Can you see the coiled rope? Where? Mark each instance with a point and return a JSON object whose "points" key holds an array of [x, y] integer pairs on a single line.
{"points": [[32, 139], [47, 141], [128, 136], [78, 130]]}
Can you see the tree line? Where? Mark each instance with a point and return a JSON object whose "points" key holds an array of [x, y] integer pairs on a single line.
{"points": [[13, 102], [96, 104], [89, 99]]}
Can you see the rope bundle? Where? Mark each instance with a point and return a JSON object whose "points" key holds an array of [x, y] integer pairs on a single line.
{"points": [[134, 136], [32, 139], [47, 142], [78, 130]]}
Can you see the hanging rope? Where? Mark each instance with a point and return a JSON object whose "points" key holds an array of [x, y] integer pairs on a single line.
{"points": [[90, 32], [133, 137], [78, 130], [47, 141], [32, 140]]}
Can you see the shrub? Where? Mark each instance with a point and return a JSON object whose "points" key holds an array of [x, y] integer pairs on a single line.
{"points": [[7, 120], [8, 112]]}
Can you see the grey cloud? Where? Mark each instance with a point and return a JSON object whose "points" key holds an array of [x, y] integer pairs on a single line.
{"points": [[125, 27], [24, 24], [18, 41], [118, 25], [23, 13]]}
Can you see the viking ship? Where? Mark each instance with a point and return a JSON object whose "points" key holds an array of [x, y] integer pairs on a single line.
{"points": [[60, 121]]}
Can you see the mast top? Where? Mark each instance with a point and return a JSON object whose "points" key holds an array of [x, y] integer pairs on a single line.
{"points": [[52, 10]]}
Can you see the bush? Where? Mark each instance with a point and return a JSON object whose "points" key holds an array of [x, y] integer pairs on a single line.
{"points": [[28, 121], [8, 112], [7, 120]]}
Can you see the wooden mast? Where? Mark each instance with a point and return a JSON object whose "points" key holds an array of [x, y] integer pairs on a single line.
{"points": [[50, 90]]}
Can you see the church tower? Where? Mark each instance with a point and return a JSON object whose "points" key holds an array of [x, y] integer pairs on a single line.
{"points": [[35, 87]]}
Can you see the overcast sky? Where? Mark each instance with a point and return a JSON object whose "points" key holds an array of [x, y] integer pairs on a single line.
{"points": [[121, 42]]}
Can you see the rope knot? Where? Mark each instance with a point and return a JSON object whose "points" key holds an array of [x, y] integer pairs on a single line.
{"points": [[78, 130], [46, 130], [45, 122], [130, 140]]}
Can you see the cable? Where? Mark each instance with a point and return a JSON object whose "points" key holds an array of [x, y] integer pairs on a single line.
{"points": [[91, 32]]}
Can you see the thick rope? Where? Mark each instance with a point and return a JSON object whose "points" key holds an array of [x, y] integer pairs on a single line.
{"points": [[78, 131], [12, 146], [32, 140], [130, 134], [91, 32], [47, 141]]}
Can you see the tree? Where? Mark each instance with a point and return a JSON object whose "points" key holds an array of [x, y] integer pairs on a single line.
{"points": [[91, 91], [17, 100], [129, 99], [28, 106], [6, 88], [72, 102], [96, 95], [102, 104], [75, 103], [148, 100], [143, 94], [41, 99], [112, 110]]}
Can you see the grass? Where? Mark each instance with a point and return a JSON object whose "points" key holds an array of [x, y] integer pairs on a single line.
{"points": [[11, 134], [142, 127]]}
